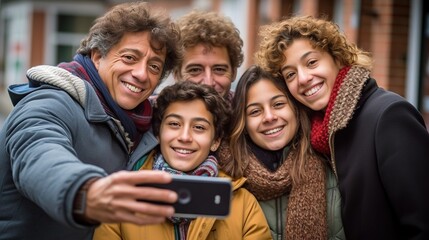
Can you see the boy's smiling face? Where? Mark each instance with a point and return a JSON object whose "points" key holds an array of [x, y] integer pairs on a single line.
{"points": [[187, 134]]}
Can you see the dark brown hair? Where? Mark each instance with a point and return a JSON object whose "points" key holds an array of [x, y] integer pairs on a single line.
{"points": [[185, 91], [108, 30]]}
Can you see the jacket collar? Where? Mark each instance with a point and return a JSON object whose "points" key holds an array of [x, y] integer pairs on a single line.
{"points": [[348, 98], [147, 144], [369, 88], [45, 77]]}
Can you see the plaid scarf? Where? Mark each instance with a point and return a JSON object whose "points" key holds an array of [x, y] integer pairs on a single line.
{"points": [[207, 168], [320, 120], [135, 122]]}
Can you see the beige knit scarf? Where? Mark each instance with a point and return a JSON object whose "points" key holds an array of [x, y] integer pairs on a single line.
{"points": [[306, 210]]}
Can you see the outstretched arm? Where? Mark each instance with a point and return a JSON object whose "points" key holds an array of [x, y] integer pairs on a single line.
{"points": [[116, 198]]}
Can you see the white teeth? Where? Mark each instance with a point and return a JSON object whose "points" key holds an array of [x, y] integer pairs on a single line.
{"points": [[184, 151], [273, 131], [133, 88], [313, 90]]}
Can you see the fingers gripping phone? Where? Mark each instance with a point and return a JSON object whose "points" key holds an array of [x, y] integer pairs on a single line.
{"points": [[199, 195]]}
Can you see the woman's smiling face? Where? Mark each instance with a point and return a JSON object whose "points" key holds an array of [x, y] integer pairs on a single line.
{"points": [[270, 120], [309, 74]]}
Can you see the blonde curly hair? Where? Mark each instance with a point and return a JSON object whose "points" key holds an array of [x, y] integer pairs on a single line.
{"points": [[211, 29], [325, 35]]}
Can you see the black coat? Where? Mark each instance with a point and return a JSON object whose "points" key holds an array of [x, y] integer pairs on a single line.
{"points": [[381, 158]]}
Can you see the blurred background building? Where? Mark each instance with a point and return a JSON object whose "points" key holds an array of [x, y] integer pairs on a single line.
{"points": [[34, 32]]}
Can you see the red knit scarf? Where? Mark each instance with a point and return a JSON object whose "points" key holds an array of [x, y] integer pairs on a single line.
{"points": [[320, 120]]}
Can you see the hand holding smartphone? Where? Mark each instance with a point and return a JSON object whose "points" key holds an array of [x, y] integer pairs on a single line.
{"points": [[199, 195]]}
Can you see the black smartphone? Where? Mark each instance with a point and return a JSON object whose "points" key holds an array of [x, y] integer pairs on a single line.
{"points": [[199, 196]]}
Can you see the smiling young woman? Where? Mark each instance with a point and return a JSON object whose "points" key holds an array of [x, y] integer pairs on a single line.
{"points": [[268, 143], [377, 142]]}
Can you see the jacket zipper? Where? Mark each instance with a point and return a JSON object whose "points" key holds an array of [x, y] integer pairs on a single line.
{"points": [[279, 218], [331, 148]]}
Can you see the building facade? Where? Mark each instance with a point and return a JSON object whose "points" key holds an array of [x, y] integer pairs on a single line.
{"points": [[396, 32]]}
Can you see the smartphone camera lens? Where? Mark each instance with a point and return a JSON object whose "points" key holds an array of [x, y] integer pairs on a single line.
{"points": [[184, 196]]}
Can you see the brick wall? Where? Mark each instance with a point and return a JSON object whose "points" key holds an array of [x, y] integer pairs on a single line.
{"points": [[384, 32]]}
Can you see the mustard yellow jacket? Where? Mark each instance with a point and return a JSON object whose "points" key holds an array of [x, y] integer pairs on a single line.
{"points": [[245, 221]]}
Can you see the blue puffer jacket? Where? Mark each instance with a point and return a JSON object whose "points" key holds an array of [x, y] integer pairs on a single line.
{"points": [[56, 138]]}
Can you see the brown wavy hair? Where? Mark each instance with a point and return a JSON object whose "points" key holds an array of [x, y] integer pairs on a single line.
{"points": [[237, 140], [213, 30], [276, 37], [108, 30]]}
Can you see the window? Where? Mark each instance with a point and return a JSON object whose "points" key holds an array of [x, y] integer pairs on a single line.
{"points": [[71, 29]]}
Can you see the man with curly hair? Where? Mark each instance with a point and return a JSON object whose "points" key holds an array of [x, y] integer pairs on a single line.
{"points": [[213, 51]]}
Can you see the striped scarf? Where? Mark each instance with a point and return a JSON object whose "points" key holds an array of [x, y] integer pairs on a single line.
{"points": [[135, 122], [208, 167]]}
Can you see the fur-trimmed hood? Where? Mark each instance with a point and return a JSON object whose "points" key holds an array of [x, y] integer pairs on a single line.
{"points": [[55, 76]]}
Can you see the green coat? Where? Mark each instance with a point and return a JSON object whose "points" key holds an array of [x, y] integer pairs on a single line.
{"points": [[275, 211]]}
